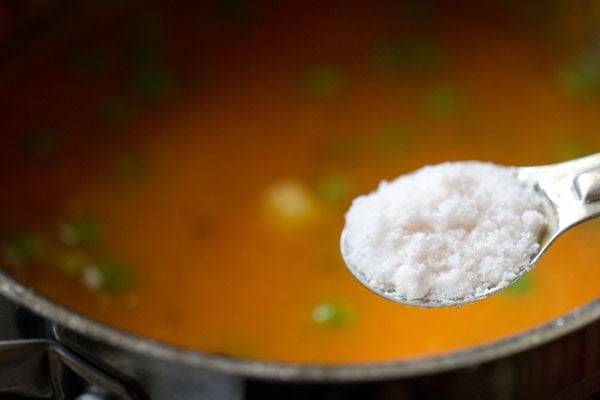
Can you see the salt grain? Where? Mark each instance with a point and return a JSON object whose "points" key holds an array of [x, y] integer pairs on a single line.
{"points": [[445, 232]]}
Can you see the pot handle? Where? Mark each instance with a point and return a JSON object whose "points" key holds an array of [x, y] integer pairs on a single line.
{"points": [[43, 369]]}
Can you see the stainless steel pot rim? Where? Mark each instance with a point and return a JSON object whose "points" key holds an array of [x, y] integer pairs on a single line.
{"points": [[27, 297]]}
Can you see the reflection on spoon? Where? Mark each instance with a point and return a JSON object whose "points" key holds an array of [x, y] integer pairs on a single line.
{"points": [[456, 233]]}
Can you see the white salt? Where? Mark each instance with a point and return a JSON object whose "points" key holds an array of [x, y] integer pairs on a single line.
{"points": [[448, 231]]}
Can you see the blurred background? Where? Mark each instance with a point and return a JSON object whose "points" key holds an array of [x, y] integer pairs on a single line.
{"points": [[189, 163]]}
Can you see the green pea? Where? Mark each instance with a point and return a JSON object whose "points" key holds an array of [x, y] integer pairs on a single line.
{"points": [[22, 249], [323, 81], [109, 276], [89, 62], [419, 14], [394, 140], [234, 11], [344, 149], [333, 187], [40, 143], [152, 81], [443, 102], [129, 168], [147, 36], [82, 231], [71, 262], [241, 350], [581, 79], [412, 55], [146, 47], [569, 149], [114, 114], [521, 286], [331, 315]]}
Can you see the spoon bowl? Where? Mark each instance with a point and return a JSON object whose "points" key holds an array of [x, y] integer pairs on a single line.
{"points": [[572, 193]]}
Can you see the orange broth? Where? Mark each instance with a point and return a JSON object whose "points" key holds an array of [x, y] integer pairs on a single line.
{"points": [[309, 100]]}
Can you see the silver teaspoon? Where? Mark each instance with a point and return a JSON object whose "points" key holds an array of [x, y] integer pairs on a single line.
{"points": [[572, 193]]}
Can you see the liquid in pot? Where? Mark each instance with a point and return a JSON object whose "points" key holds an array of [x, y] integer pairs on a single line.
{"points": [[182, 174]]}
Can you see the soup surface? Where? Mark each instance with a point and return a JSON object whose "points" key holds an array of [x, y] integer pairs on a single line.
{"points": [[182, 172]]}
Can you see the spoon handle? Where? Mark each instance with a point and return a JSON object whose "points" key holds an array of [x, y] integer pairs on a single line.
{"points": [[587, 184], [573, 187]]}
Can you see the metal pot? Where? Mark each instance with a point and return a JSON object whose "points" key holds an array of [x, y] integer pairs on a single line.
{"points": [[47, 351]]}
